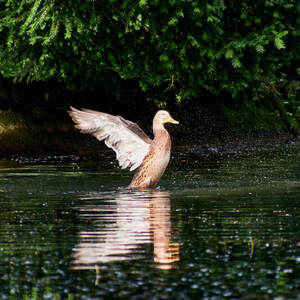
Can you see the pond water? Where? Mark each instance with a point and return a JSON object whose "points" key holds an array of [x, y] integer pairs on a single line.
{"points": [[217, 228]]}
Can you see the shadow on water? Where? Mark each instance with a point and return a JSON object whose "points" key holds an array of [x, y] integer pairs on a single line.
{"points": [[122, 225]]}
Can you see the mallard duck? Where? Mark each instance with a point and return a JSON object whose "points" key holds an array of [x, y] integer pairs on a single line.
{"points": [[134, 149]]}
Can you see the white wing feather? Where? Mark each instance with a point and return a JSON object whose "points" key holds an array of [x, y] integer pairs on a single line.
{"points": [[127, 139]]}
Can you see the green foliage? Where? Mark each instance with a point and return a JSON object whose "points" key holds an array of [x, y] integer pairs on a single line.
{"points": [[188, 46]]}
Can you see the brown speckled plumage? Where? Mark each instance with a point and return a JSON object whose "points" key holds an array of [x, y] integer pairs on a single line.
{"points": [[132, 146], [155, 162]]}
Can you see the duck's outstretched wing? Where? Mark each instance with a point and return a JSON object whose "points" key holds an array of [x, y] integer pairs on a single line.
{"points": [[126, 138]]}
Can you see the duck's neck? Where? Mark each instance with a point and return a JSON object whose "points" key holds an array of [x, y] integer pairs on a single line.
{"points": [[158, 127], [162, 137], [159, 130]]}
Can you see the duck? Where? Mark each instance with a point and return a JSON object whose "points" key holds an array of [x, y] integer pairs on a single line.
{"points": [[133, 148]]}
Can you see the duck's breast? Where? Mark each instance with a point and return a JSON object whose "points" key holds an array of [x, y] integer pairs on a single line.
{"points": [[154, 163], [159, 156]]}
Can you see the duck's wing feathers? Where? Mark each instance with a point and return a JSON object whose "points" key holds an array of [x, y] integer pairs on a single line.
{"points": [[126, 138]]}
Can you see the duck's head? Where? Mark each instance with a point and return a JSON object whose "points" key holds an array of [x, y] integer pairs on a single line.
{"points": [[162, 117]]}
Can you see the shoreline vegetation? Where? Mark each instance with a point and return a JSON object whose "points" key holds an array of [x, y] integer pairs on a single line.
{"points": [[61, 141]]}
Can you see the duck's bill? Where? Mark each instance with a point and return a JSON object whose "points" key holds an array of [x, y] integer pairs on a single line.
{"points": [[171, 120]]}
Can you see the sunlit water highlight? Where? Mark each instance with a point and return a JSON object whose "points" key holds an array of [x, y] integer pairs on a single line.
{"points": [[215, 229]]}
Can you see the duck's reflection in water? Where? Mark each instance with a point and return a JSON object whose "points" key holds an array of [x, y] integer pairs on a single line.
{"points": [[119, 225]]}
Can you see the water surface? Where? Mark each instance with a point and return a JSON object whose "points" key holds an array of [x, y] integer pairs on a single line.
{"points": [[216, 228]]}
